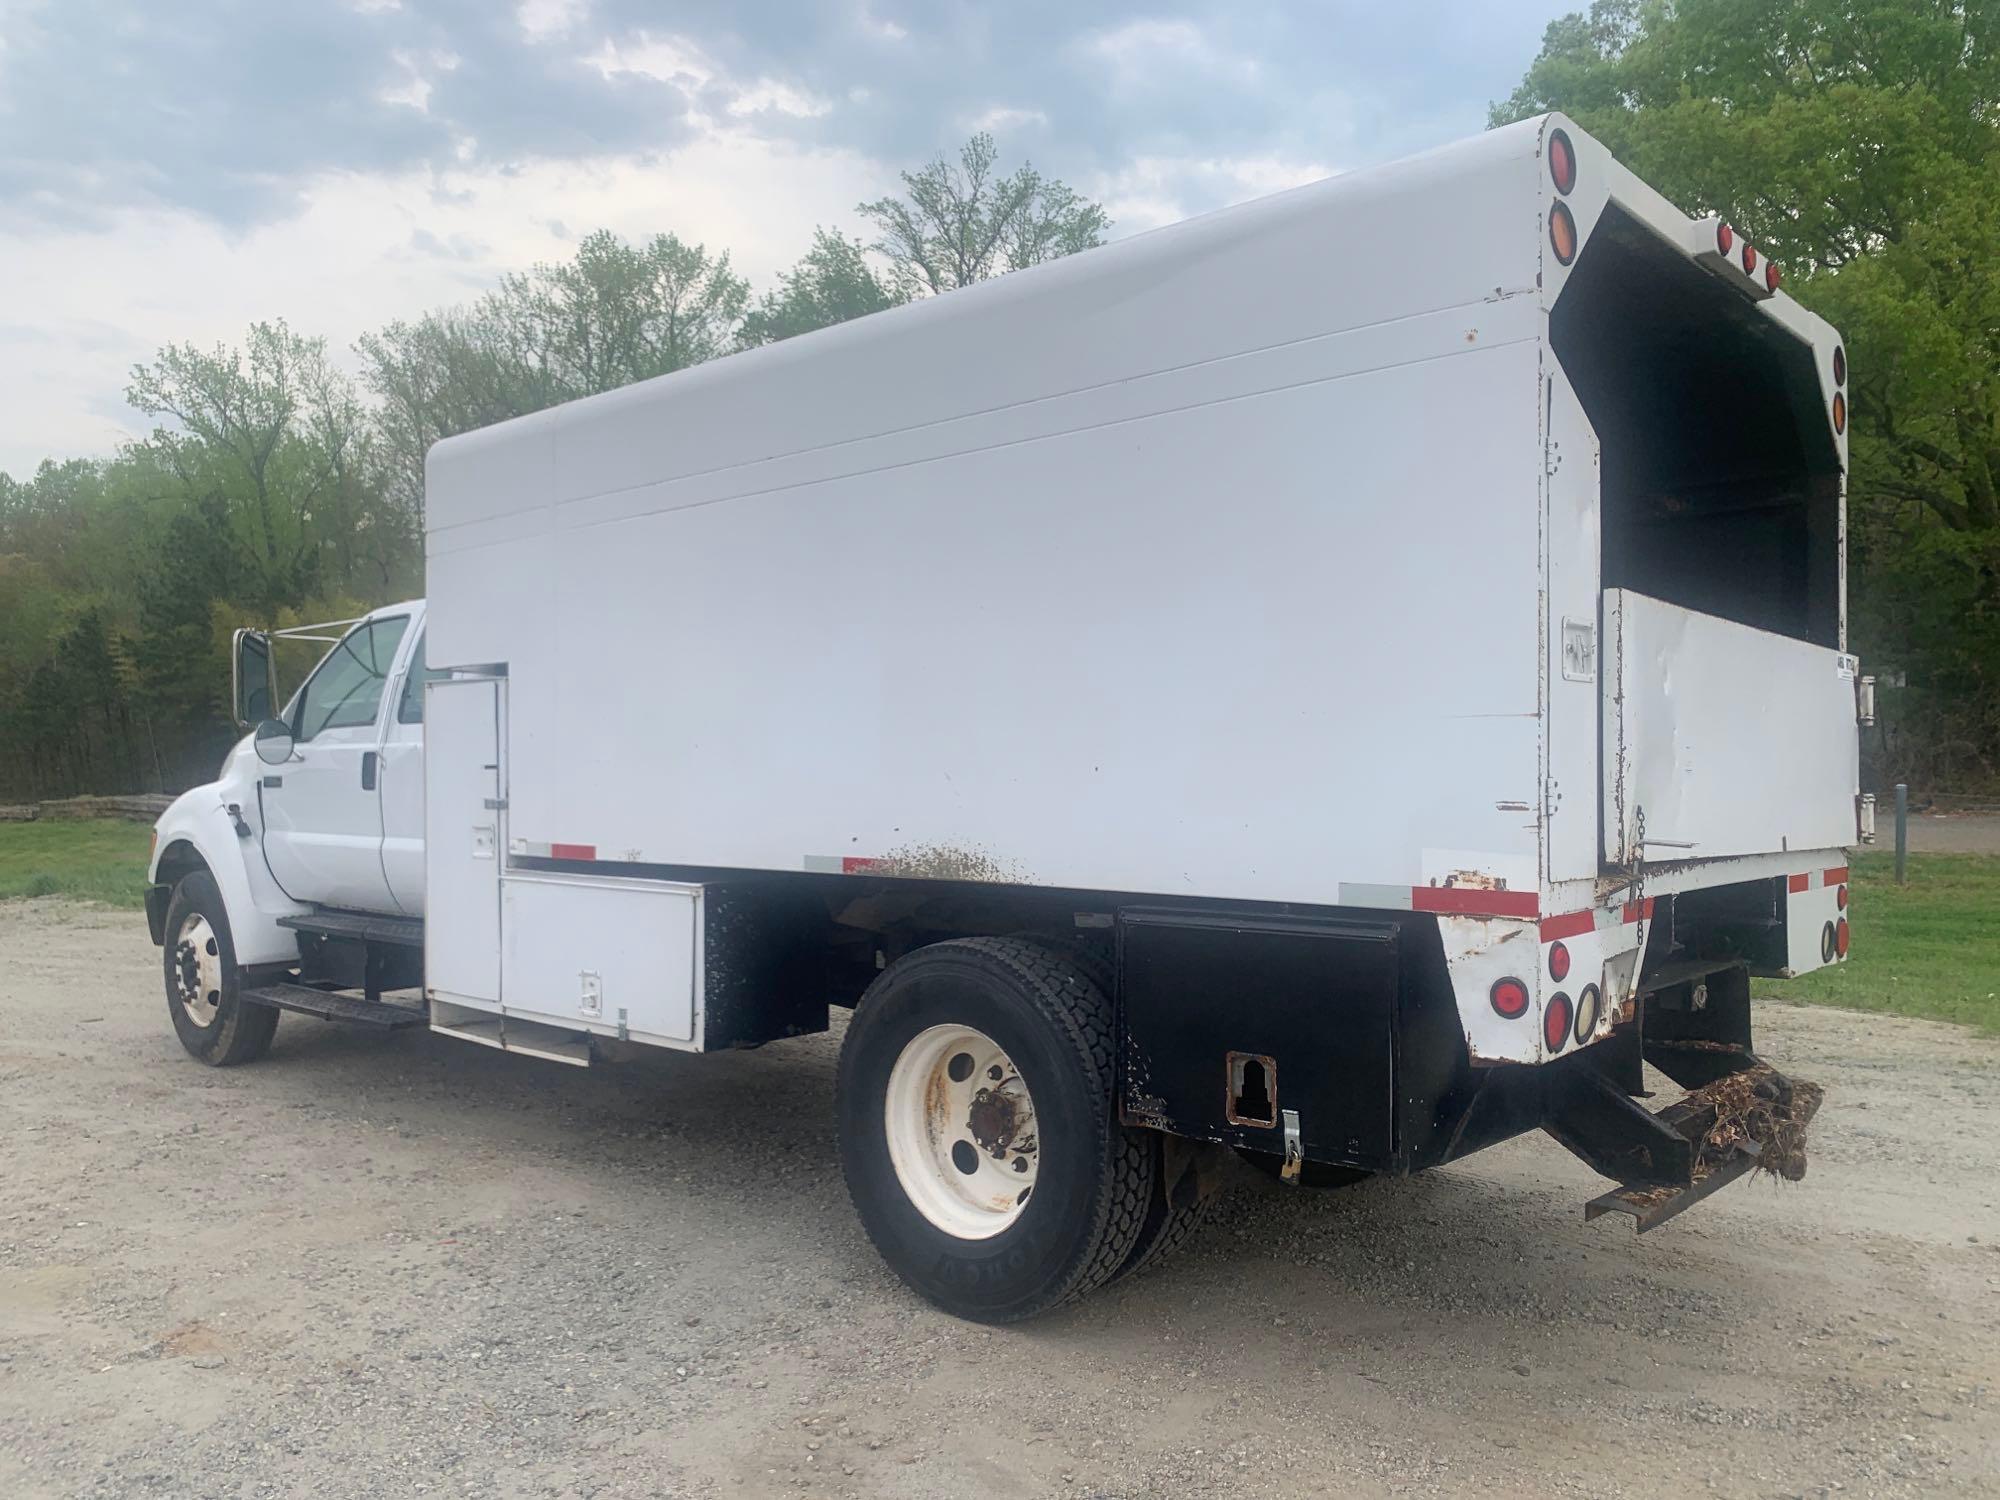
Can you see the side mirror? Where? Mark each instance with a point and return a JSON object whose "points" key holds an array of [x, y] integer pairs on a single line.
{"points": [[253, 678], [274, 742]]}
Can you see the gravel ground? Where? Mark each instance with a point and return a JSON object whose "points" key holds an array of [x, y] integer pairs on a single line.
{"points": [[1939, 832], [405, 1266]]}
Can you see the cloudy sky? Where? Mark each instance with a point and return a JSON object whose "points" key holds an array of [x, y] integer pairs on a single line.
{"points": [[177, 171]]}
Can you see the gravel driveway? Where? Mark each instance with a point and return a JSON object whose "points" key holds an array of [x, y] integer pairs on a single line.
{"points": [[405, 1266]]}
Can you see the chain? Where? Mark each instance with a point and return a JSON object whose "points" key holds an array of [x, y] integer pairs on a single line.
{"points": [[1639, 892]]}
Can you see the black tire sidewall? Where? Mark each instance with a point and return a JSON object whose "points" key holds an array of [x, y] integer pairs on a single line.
{"points": [[213, 1043], [1030, 1264]]}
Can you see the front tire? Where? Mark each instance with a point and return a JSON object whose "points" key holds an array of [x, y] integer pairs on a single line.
{"points": [[977, 1134], [204, 998]]}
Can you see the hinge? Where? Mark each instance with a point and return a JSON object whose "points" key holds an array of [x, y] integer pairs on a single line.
{"points": [[496, 804]]}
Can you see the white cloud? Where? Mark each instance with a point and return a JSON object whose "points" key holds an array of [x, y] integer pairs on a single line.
{"points": [[546, 20], [1002, 117], [365, 250], [1138, 53], [778, 98]]}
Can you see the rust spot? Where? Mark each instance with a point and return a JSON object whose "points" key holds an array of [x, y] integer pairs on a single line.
{"points": [[947, 862], [993, 1119]]}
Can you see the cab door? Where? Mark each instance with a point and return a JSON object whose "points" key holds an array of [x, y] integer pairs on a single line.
{"points": [[322, 810]]}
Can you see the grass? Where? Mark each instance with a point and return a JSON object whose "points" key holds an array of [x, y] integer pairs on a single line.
{"points": [[1930, 948], [93, 859]]}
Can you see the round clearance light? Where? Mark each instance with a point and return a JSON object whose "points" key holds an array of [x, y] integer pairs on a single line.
{"points": [[1562, 233], [1558, 963], [1725, 238], [1839, 365], [1555, 1022], [1772, 276], [1840, 937], [1749, 257], [1839, 412], [1826, 944], [1562, 162], [1840, 899], [1510, 999], [1589, 1011]]}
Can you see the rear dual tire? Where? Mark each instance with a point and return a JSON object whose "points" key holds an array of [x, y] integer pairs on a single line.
{"points": [[972, 1066]]}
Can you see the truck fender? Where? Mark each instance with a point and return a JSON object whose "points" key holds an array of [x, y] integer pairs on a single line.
{"points": [[198, 829]]}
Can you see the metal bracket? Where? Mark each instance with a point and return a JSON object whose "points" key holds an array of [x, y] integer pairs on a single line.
{"points": [[1295, 1156], [496, 804], [624, 1032]]}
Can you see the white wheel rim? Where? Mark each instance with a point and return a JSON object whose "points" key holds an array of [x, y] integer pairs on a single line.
{"points": [[198, 970], [961, 1128]]}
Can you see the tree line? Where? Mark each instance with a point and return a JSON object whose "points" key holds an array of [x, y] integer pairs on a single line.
{"points": [[278, 489], [1857, 141]]}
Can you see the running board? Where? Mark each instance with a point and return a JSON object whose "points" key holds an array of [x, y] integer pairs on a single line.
{"points": [[332, 1005], [366, 927], [510, 1033]]}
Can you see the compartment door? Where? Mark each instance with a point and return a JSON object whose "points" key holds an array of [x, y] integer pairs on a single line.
{"points": [[1730, 740], [463, 837]]}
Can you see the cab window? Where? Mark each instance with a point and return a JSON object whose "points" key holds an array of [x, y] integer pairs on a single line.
{"points": [[410, 709], [345, 691]]}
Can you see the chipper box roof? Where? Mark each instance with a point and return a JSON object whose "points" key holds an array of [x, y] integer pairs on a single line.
{"points": [[1350, 678]]}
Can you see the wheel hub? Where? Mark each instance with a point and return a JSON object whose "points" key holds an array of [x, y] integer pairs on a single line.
{"points": [[198, 970], [961, 1131]]}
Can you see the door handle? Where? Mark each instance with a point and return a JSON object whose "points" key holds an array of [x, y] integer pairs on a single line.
{"points": [[369, 760]]}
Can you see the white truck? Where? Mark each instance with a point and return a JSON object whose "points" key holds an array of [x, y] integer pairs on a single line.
{"points": [[1351, 678]]}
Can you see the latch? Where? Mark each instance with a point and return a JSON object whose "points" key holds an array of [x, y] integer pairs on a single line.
{"points": [[1865, 817], [1295, 1155], [591, 1002], [1864, 701]]}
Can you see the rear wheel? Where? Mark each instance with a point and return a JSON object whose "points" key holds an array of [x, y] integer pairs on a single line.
{"points": [[209, 1015], [977, 1133]]}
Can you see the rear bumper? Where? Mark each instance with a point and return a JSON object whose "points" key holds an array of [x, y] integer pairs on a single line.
{"points": [[1739, 1113]]}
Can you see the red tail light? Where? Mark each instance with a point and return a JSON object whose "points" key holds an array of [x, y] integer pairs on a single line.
{"points": [[1749, 257], [1840, 938], [1558, 963], [1771, 275], [1840, 899], [1510, 999], [1725, 238], [1562, 233], [1839, 412], [1562, 162], [1839, 365], [1555, 1022]]}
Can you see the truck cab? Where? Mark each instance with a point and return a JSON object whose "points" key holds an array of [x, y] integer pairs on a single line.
{"points": [[320, 806]]}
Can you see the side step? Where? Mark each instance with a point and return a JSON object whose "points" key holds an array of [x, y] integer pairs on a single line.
{"points": [[367, 927], [331, 1005]]}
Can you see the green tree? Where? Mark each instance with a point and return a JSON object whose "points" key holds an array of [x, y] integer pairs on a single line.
{"points": [[959, 222], [831, 284], [1858, 142], [613, 314]]}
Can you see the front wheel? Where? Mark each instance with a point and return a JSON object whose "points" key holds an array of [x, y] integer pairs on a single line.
{"points": [[212, 1020], [977, 1133]]}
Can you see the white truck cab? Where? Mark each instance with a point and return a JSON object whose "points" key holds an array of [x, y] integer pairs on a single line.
{"points": [[320, 805]]}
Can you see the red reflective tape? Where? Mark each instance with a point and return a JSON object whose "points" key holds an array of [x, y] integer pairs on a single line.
{"points": [[1836, 876], [1474, 902], [1572, 924], [1637, 911], [1798, 882], [572, 851], [855, 864]]}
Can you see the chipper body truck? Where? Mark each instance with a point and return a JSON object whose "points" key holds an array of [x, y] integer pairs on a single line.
{"points": [[1353, 678]]}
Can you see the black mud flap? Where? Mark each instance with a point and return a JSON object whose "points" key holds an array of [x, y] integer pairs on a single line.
{"points": [[1740, 1114]]}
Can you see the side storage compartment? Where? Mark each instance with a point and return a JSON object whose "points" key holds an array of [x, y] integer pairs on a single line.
{"points": [[1239, 1028], [611, 956]]}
